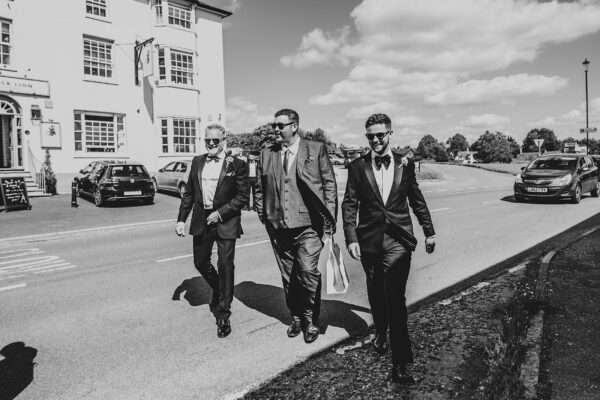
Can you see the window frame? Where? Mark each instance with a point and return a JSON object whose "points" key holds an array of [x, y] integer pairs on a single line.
{"points": [[180, 144], [168, 72], [8, 44], [81, 145], [108, 62], [95, 3], [165, 10]]}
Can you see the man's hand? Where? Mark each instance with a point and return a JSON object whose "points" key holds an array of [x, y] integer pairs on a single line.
{"points": [[180, 229], [213, 218], [354, 250], [430, 244]]}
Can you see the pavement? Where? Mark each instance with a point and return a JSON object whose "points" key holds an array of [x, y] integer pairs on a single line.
{"points": [[90, 289]]}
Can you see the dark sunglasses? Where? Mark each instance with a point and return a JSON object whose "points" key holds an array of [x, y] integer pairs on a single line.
{"points": [[281, 125], [378, 135], [215, 141]]}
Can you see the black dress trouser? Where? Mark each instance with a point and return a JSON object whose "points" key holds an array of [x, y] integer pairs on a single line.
{"points": [[220, 281], [387, 273], [297, 252]]}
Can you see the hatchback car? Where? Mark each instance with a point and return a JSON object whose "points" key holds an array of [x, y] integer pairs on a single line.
{"points": [[558, 176], [172, 177], [108, 181]]}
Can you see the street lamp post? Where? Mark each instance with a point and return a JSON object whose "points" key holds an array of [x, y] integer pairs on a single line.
{"points": [[586, 65]]}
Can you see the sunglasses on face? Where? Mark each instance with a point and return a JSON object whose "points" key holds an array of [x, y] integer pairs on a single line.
{"points": [[215, 141], [281, 125], [378, 135]]}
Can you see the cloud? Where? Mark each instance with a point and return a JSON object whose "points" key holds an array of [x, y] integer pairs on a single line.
{"points": [[574, 117], [244, 115], [318, 47], [486, 120], [431, 49], [501, 87]]}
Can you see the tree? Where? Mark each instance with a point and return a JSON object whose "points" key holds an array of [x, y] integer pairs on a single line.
{"points": [[551, 143], [457, 143], [491, 147], [515, 148], [318, 135], [430, 148]]}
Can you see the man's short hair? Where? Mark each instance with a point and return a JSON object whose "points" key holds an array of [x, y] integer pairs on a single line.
{"points": [[216, 126], [379, 119], [291, 114]]}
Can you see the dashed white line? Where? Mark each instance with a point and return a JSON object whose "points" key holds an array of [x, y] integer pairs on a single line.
{"points": [[440, 209], [240, 246], [17, 286]]}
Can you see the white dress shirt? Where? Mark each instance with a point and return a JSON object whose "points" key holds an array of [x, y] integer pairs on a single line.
{"points": [[210, 179], [292, 150], [385, 176]]}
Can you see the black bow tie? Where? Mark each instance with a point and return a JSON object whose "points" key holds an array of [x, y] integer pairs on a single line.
{"points": [[211, 157], [385, 160]]}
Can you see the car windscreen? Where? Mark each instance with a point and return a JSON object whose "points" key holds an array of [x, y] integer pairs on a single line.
{"points": [[562, 163], [128, 170]]}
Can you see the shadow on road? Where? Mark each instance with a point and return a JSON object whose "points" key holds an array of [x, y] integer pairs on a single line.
{"points": [[197, 292], [269, 300], [16, 370], [511, 199]]}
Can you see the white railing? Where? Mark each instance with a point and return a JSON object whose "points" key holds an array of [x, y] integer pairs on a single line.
{"points": [[37, 169]]}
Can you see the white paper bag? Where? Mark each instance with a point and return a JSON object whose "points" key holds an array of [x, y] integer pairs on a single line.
{"points": [[332, 264]]}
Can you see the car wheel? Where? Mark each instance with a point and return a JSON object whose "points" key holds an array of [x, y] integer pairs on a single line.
{"points": [[577, 195], [98, 201], [149, 201], [596, 191]]}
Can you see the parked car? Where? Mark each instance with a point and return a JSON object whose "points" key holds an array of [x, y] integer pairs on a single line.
{"points": [[172, 177], [596, 158], [558, 176], [108, 181]]}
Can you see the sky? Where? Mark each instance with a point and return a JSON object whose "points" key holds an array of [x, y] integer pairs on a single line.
{"points": [[435, 67]]}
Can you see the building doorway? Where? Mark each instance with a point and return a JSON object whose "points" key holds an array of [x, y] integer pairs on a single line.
{"points": [[11, 136]]}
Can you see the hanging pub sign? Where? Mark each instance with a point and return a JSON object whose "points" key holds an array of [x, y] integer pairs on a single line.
{"points": [[13, 194], [51, 137]]}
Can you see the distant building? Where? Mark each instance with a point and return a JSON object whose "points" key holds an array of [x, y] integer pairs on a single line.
{"points": [[68, 80], [466, 157], [573, 147]]}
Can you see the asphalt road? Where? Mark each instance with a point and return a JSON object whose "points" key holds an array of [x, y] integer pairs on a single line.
{"points": [[91, 289]]}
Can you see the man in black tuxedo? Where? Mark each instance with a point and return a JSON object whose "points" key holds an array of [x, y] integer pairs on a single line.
{"points": [[381, 185], [296, 199], [216, 190]]}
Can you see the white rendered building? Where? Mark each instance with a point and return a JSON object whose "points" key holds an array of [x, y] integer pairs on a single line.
{"points": [[69, 81]]}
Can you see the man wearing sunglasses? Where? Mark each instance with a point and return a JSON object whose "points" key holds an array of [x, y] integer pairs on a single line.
{"points": [[380, 188], [216, 191], [296, 199]]}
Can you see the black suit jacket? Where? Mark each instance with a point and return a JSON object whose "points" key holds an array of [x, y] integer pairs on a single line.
{"points": [[362, 197], [230, 197], [316, 182]]}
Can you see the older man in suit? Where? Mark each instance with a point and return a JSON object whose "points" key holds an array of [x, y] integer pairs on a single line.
{"points": [[296, 199], [380, 188], [216, 191]]}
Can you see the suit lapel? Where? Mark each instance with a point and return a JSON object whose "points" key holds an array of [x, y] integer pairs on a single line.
{"points": [[368, 169], [221, 174], [201, 162], [301, 157], [398, 171]]}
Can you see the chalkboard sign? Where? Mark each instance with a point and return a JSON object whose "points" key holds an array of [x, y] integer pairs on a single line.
{"points": [[14, 194]]}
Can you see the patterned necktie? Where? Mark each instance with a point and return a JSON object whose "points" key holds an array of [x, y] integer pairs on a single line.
{"points": [[385, 160], [285, 161]]}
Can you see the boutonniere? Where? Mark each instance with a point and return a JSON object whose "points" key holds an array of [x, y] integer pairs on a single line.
{"points": [[229, 164]]}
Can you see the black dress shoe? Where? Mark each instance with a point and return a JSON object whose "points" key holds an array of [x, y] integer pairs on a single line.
{"points": [[400, 376], [380, 343], [295, 327], [223, 328], [311, 332]]}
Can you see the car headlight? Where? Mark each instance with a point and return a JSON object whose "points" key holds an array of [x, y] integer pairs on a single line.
{"points": [[519, 178], [562, 181]]}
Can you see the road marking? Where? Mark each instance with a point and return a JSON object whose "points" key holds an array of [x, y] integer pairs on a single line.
{"points": [[440, 209], [85, 230], [240, 246], [17, 286], [19, 267]]}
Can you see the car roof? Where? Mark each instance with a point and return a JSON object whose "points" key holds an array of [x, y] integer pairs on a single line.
{"points": [[118, 162]]}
